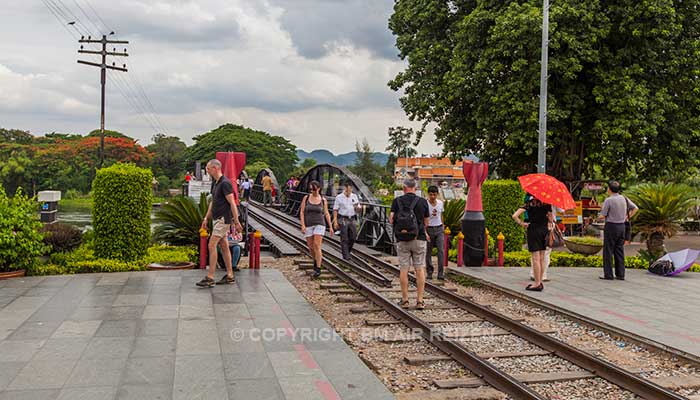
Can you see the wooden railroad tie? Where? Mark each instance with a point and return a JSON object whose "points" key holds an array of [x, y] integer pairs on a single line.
{"points": [[524, 378], [360, 310], [455, 334], [332, 285], [421, 359], [445, 320], [482, 393], [386, 290]]}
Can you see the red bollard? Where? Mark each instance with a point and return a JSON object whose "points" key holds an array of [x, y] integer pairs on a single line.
{"points": [[501, 239], [257, 235], [251, 250], [460, 249], [203, 245], [486, 249], [447, 245]]}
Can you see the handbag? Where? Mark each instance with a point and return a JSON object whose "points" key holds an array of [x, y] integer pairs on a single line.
{"points": [[554, 237], [628, 223]]}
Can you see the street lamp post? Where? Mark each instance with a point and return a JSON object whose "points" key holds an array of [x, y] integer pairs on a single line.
{"points": [[542, 142]]}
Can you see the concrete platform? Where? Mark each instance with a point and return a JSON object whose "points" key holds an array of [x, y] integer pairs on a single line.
{"points": [[660, 309], [148, 335]]}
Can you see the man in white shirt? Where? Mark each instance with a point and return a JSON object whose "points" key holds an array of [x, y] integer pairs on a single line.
{"points": [[436, 232], [345, 208], [245, 186]]}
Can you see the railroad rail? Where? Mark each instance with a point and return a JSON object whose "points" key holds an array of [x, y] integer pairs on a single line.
{"points": [[482, 368]]}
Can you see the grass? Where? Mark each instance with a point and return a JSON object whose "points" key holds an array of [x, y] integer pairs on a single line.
{"points": [[464, 281]]}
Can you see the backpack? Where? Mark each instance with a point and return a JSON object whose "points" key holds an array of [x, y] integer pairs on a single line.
{"points": [[662, 267], [405, 222]]}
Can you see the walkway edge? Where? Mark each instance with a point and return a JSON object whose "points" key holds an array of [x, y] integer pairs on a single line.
{"points": [[645, 342]]}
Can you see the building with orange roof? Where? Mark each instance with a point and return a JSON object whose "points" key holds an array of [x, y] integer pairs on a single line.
{"points": [[433, 170]]}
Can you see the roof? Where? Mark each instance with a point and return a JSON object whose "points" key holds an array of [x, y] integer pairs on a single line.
{"points": [[426, 162]]}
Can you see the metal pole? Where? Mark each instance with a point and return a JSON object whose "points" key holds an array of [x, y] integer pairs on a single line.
{"points": [[542, 145], [103, 79]]}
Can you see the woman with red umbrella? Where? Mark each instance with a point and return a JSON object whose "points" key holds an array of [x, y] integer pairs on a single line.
{"points": [[540, 216]]}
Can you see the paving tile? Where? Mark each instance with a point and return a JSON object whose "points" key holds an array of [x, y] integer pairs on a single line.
{"points": [[163, 298], [24, 302], [43, 374], [199, 377], [339, 362], [240, 341], [54, 312], [116, 328], [135, 290], [34, 330], [108, 347], [8, 372], [199, 298], [127, 312], [74, 329], [102, 372], [144, 391], [302, 387], [19, 350], [42, 291], [191, 312], [98, 301], [157, 327], [89, 313], [161, 312], [227, 298], [259, 389], [197, 337], [153, 370], [292, 363], [130, 300], [247, 366], [154, 346], [112, 290], [62, 349], [363, 386], [168, 280], [87, 393], [48, 394]]}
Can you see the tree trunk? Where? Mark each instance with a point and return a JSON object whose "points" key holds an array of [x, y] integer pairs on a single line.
{"points": [[655, 244]]}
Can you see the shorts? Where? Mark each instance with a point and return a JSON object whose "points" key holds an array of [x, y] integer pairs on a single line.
{"points": [[220, 228], [315, 230], [411, 254]]}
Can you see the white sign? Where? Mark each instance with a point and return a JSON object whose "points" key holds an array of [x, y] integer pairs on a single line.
{"points": [[196, 188]]}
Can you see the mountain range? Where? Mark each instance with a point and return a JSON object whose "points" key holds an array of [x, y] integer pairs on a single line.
{"points": [[345, 159]]}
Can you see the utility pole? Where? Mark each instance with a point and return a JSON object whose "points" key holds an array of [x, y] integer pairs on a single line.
{"points": [[103, 76], [542, 143]]}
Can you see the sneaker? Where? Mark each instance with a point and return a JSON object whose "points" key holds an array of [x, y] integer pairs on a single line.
{"points": [[206, 282], [227, 280]]}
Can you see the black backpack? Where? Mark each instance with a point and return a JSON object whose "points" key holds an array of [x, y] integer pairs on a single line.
{"points": [[405, 222], [662, 267]]}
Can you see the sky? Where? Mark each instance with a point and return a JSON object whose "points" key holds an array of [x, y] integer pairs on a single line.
{"points": [[312, 71]]}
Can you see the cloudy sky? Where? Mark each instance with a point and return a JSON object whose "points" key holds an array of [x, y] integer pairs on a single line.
{"points": [[313, 71]]}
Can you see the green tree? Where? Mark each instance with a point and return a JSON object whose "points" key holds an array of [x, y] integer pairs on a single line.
{"points": [[365, 167], [253, 169], [275, 151], [622, 88], [168, 156], [304, 167], [16, 172], [15, 136]]}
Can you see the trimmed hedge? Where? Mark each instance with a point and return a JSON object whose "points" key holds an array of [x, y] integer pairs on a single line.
{"points": [[563, 259], [501, 199], [20, 240], [121, 212]]}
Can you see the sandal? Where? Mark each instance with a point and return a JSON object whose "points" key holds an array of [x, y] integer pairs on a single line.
{"points": [[227, 280], [420, 305], [403, 303], [535, 288]]}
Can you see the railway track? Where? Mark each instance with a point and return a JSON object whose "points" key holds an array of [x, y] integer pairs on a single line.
{"points": [[366, 275]]}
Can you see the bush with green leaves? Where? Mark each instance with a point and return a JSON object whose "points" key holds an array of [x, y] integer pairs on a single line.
{"points": [[20, 239], [564, 259], [61, 237], [587, 240], [501, 199], [121, 214], [179, 220], [452, 215]]}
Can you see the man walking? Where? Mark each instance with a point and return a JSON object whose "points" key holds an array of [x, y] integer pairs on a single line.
{"points": [[409, 217], [245, 186], [615, 211], [223, 211], [344, 210], [267, 189], [436, 231]]}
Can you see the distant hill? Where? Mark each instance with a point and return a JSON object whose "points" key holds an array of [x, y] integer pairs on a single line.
{"points": [[345, 159]]}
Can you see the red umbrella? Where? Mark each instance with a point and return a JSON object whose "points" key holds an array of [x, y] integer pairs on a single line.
{"points": [[548, 190]]}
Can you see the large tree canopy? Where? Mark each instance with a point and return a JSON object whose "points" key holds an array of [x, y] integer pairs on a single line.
{"points": [[275, 151], [624, 85]]}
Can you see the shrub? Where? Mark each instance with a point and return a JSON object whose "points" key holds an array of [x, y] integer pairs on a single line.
{"points": [[452, 216], [61, 237], [179, 220], [588, 240], [122, 201], [20, 239], [167, 254], [563, 259], [501, 199]]}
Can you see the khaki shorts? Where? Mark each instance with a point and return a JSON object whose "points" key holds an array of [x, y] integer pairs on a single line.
{"points": [[411, 254], [220, 228]]}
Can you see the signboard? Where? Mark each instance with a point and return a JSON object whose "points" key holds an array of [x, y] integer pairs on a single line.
{"points": [[196, 188], [593, 186], [573, 217]]}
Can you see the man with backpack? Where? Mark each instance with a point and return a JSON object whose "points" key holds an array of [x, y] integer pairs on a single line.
{"points": [[409, 217]]}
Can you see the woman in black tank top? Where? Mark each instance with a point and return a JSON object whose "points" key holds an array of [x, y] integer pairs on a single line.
{"points": [[313, 217]]}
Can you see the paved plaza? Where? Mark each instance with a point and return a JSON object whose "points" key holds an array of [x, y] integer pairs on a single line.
{"points": [[663, 309], [154, 335]]}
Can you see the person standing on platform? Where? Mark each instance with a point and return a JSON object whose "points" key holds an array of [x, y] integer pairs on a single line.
{"points": [[409, 217], [344, 211], [267, 189], [436, 231], [616, 210], [539, 217], [223, 212], [245, 187], [313, 216]]}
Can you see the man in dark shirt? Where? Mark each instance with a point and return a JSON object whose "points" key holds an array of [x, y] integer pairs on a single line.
{"points": [[223, 211], [412, 252]]}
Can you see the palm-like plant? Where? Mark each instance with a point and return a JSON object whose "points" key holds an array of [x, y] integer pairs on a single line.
{"points": [[662, 207], [452, 216], [179, 221]]}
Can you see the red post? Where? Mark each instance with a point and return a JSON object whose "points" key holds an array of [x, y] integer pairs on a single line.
{"points": [[486, 249], [447, 245], [251, 250], [257, 235], [203, 242], [460, 249], [501, 239]]}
